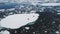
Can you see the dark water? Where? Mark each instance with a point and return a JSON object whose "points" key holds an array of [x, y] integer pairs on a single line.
{"points": [[7, 5], [47, 23]]}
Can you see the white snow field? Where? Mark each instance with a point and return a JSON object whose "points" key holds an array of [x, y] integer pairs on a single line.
{"points": [[17, 20]]}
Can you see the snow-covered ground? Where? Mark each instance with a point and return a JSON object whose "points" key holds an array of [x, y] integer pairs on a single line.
{"points": [[18, 20]]}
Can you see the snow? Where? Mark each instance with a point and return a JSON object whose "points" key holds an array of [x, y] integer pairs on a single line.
{"points": [[50, 4], [18, 20], [5, 32], [57, 32], [27, 28]]}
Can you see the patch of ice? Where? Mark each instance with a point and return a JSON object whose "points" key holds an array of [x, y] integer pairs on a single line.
{"points": [[18, 20]]}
